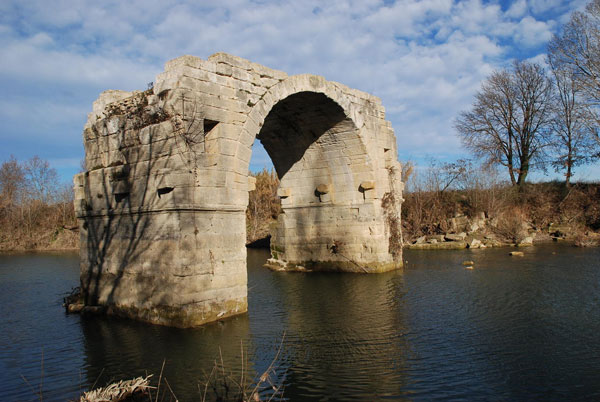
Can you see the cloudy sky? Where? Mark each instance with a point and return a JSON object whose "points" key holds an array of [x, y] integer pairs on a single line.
{"points": [[424, 58]]}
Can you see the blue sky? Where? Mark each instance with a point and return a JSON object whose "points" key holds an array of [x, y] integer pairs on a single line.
{"points": [[425, 59]]}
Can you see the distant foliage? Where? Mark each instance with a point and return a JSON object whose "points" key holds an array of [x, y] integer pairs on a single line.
{"points": [[12, 181], [573, 143], [439, 191], [41, 180]]}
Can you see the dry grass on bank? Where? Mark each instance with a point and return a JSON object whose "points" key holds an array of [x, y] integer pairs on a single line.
{"points": [[443, 192], [38, 226], [36, 211], [432, 197], [263, 205]]}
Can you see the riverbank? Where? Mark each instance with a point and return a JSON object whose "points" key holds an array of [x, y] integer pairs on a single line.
{"points": [[433, 216], [481, 233], [43, 239], [494, 215], [469, 210], [464, 233]]}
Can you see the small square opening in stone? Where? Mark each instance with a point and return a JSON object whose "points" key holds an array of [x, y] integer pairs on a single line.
{"points": [[164, 190], [209, 125], [120, 197]]}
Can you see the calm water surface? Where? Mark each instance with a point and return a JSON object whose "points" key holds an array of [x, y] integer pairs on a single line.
{"points": [[512, 329]]}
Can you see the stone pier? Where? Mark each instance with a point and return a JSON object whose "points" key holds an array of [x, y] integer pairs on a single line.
{"points": [[161, 205]]}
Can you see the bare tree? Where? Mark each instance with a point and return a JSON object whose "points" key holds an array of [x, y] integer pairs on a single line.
{"points": [[509, 121], [573, 141], [42, 180], [12, 179], [64, 202], [486, 129], [577, 48]]}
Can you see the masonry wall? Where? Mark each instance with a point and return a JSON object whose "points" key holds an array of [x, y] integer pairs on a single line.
{"points": [[162, 203]]}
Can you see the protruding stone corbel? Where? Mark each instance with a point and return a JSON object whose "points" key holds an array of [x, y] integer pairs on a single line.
{"points": [[118, 173], [322, 191], [366, 186], [284, 192], [285, 195]]}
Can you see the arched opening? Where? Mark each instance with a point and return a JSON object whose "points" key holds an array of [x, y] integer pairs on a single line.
{"points": [[320, 162]]}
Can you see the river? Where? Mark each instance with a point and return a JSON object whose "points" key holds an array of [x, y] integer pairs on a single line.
{"points": [[513, 328]]}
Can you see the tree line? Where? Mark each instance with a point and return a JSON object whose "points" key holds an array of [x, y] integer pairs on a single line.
{"points": [[528, 117], [36, 210]]}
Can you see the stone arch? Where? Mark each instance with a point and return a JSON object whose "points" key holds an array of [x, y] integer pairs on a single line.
{"points": [[291, 86], [313, 134], [312, 142], [161, 206], [316, 107]]}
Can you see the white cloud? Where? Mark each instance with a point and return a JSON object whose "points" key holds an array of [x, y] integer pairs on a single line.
{"points": [[517, 9], [541, 6], [37, 58], [539, 59], [531, 32], [425, 59]]}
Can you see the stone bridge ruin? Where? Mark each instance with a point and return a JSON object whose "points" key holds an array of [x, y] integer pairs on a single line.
{"points": [[161, 205]]}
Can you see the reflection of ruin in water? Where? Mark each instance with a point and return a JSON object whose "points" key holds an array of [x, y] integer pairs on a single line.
{"points": [[118, 348], [331, 325], [345, 333]]}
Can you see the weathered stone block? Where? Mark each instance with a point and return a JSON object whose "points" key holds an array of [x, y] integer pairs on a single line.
{"points": [[455, 237]]}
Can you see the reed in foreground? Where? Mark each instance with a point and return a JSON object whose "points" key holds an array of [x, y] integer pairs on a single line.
{"points": [[220, 384]]}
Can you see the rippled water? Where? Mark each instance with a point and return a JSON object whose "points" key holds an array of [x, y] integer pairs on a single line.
{"points": [[513, 328]]}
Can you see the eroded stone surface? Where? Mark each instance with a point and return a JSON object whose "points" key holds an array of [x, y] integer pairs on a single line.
{"points": [[162, 203]]}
